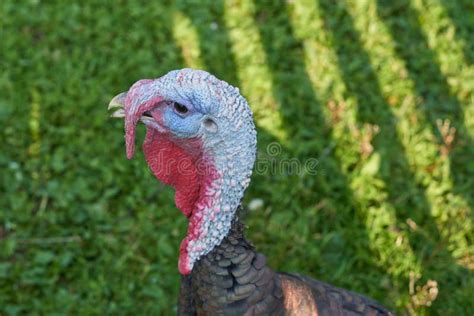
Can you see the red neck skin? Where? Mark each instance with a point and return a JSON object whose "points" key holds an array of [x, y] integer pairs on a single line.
{"points": [[184, 167]]}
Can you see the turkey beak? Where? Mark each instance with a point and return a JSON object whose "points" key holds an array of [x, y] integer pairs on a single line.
{"points": [[117, 104]]}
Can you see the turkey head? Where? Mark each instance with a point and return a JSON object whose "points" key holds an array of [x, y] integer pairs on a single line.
{"points": [[200, 140]]}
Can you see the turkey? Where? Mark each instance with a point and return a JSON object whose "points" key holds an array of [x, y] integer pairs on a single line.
{"points": [[201, 140]]}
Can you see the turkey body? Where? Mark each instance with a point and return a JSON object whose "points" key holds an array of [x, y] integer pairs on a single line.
{"points": [[234, 279]]}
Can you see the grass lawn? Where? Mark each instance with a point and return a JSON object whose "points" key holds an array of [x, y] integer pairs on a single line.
{"points": [[380, 92]]}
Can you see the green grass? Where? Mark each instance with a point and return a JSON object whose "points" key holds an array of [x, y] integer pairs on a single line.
{"points": [[363, 86]]}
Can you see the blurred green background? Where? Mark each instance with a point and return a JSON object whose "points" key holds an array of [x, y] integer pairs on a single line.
{"points": [[381, 92]]}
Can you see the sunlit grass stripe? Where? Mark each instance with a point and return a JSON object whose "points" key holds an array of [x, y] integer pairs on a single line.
{"points": [[449, 52], [322, 68], [253, 72], [441, 36], [260, 98], [34, 124], [186, 37], [412, 126], [34, 149]]}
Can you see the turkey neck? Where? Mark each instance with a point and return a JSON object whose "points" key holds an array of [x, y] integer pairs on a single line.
{"points": [[232, 279]]}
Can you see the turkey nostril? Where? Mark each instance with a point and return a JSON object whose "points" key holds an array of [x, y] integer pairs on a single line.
{"points": [[147, 114]]}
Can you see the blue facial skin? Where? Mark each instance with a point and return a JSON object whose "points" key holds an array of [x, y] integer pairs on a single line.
{"points": [[197, 97], [182, 124]]}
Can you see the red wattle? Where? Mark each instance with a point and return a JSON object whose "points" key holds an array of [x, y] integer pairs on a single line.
{"points": [[181, 164], [174, 166]]}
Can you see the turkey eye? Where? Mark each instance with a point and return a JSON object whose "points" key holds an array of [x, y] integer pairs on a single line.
{"points": [[180, 108]]}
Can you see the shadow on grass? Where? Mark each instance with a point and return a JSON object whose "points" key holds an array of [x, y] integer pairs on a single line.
{"points": [[430, 84], [214, 42], [461, 14], [404, 194], [303, 118], [362, 83]]}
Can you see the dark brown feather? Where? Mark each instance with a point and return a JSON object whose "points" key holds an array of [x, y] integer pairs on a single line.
{"points": [[233, 279], [236, 283]]}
